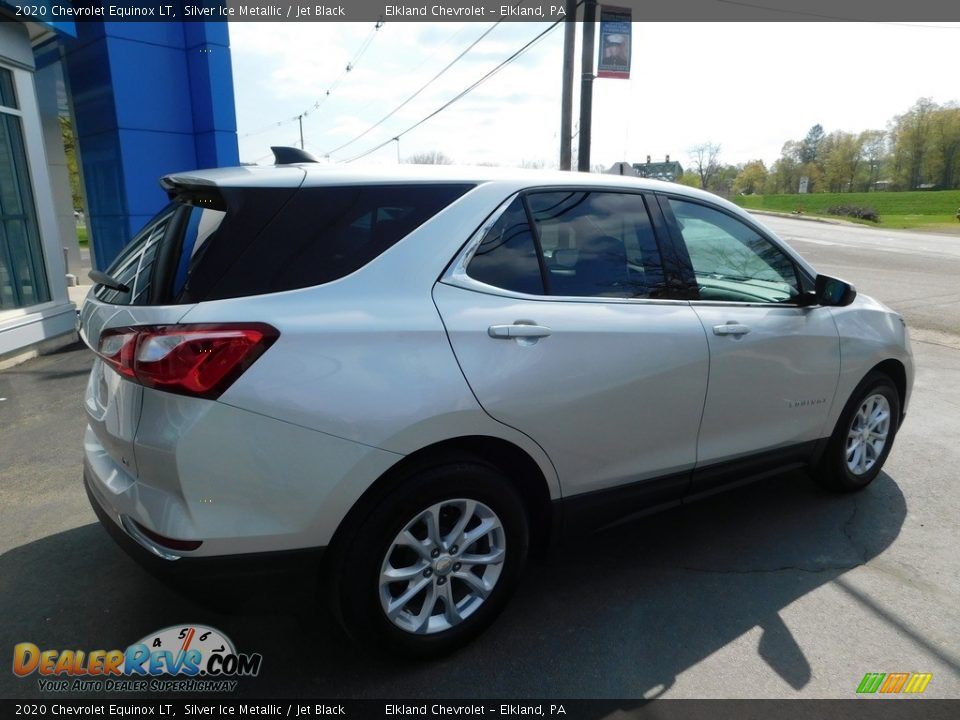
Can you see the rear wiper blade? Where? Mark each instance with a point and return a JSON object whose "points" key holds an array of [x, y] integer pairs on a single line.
{"points": [[101, 278]]}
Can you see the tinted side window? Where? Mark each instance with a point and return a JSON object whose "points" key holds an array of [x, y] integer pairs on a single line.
{"points": [[507, 256], [320, 235], [201, 225], [598, 244], [134, 266], [248, 211], [731, 261]]}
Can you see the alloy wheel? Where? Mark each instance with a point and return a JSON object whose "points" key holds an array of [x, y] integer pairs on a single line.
{"points": [[442, 566], [868, 434]]}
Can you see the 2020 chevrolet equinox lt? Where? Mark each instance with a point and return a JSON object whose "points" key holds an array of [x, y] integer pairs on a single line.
{"points": [[425, 371]]}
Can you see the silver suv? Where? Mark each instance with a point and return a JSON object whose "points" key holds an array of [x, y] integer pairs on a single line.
{"points": [[426, 372]]}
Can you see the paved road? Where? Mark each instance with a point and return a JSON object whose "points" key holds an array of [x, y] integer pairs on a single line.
{"points": [[778, 590], [918, 274]]}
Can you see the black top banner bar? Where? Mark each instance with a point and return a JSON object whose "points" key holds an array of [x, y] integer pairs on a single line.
{"points": [[894, 11], [304, 709]]}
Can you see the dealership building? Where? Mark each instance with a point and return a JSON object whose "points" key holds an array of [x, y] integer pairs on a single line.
{"points": [[143, 99]]}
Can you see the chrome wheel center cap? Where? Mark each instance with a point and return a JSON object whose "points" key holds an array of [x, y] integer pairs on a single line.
{"points": [[442, 565]]}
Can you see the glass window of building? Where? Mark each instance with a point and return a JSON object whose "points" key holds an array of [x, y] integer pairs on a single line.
{"points": [[23, 281]]}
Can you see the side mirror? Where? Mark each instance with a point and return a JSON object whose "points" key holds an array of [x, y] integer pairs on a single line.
{"points": [[834, 292]]}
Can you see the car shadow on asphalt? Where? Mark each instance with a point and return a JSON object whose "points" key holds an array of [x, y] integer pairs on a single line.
{"points": [[618, 614]]}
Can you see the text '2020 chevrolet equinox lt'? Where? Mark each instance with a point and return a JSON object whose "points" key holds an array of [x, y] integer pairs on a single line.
{"points": [[424, 372]]}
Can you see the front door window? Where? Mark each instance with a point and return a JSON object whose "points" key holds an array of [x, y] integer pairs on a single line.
{"points": [[731, 261]]}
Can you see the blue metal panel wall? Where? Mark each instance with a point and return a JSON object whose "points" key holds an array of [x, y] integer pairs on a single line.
{"points": [[148, 99]]}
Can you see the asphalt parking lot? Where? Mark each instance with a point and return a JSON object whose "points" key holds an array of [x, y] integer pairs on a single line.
{"points": [[778, 590]]}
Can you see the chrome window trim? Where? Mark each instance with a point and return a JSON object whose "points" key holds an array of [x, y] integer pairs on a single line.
{"points": [[737, 303]]}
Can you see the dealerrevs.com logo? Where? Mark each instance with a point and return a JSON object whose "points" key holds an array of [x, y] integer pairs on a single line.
{"points": [[181, 658]]}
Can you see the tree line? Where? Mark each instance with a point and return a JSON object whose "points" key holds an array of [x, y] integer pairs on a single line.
{"points": [[919, 150]]}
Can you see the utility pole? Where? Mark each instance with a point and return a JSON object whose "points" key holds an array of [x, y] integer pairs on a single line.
{"points": [[566, 94], [586, 84], [300, 118]]}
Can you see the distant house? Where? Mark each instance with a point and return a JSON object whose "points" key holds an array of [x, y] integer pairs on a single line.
{"points": [[667, 170]]}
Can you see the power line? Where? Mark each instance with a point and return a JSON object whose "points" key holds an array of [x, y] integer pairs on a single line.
{"points": [[420, 90], [462, 93], [351, 64], [374, 100], [363, 48]]}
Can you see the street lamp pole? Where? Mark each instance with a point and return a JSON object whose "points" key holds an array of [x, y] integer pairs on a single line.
{"points": [[566, 93], [586, 84]]}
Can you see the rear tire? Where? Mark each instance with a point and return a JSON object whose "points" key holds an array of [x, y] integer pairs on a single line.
{"points": [[434, 563], [863, 436]]}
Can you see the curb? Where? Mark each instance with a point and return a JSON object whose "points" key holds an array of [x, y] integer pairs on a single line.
{"points": [[808, 218], [939, 232]]}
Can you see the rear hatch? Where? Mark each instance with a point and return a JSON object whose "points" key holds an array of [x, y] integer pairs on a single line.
{"points": [[221, 238], [113, 405], [151, 284]]}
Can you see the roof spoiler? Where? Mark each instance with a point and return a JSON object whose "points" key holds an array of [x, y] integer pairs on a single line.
{"points": [[291, 155]]}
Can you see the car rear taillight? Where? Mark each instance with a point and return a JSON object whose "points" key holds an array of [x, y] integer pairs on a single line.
{"points": [[196, 360]]}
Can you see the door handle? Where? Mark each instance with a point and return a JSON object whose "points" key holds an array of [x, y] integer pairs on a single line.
{"points": [[731, 328], [507, 332]]}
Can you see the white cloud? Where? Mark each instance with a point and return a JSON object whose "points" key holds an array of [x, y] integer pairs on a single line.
{"points": [[747, 86]]}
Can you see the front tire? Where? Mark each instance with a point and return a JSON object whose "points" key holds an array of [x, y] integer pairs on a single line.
{"points": [[435, 562], [863, 436]]}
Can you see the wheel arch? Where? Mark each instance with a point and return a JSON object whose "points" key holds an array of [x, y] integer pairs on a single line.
{"points": [[513, 461], [829, 463], [895, 370]]}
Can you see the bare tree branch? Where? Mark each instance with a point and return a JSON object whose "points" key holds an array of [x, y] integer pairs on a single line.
{"points": [[706, 162]]}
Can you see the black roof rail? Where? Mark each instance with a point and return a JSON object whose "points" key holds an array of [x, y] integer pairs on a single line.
{"points": [[291, 155]]}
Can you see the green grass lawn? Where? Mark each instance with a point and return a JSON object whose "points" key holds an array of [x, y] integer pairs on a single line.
{"points": [[82, 236], [902, 210]]}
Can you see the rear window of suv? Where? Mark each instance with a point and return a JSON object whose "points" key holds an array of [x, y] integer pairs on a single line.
{"points": [[134, 267], [234, 242]]}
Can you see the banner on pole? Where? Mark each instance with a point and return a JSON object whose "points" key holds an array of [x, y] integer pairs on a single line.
{"points": [[615, 26]]}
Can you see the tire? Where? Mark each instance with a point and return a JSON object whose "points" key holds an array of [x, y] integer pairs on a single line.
{"points": [[863, 436], [417, 535]]}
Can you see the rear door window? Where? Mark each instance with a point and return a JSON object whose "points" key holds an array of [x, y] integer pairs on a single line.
{"points": [[598, 244], [580, 244]]}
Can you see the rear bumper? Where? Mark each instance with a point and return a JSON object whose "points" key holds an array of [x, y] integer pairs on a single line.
{"points": [[304, 563]]}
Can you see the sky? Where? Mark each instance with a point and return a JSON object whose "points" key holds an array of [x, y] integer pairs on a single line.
{"points": [[748, 87]]}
